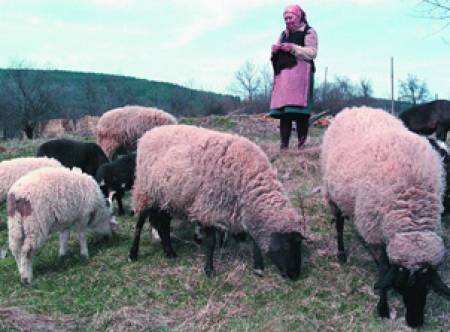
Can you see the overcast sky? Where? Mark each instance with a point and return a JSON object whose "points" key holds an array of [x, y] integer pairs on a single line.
{"points": [[201, 43]]}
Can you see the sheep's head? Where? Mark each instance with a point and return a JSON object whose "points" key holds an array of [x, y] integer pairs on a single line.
{"points": [[285, 252], [413, 285]]}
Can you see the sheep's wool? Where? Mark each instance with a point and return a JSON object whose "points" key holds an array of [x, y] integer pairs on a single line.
{"points": [[414, 249], [213, 178], [125, 125], [389, 180]]}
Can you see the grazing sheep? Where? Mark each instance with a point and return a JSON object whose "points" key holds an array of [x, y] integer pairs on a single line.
{"points": [[428, 118], [86, 156], [218, 180], [119, 129], [51, 200], [390, 182], [13, 169], [116, 177]]}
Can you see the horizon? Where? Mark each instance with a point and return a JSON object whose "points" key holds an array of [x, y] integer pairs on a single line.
{"points": [[200, 45]]}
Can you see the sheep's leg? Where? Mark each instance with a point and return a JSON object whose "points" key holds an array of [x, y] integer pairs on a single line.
{"points": [[198, 236], [342, 256], [380, 256], [26, 269], [63, 242], [137, 235], [441, 133], [161, 221], [339, 220], [83, 243], [119, 196], [258, 260], [210, 244]]}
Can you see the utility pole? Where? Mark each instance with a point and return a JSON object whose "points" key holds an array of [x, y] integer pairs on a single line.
{"points": [[392, 86]]}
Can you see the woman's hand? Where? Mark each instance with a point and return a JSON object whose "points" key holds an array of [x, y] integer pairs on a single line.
{"points": [[287, 47], [275, 48]]}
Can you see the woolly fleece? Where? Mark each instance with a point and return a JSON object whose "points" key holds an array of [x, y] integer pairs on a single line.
{"points": [[12, 170], [213, 178], [124, 126], [389, 180], [56, 199]]}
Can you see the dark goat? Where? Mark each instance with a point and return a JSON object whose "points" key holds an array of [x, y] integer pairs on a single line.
{"points": [[86, 156], [442, 150], [428, 118], [117, 177], [282, 60]]}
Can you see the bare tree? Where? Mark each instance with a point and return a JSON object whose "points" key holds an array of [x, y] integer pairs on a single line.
{"points": [[248, 81], [437, 9], [413, 90], [266, 76], [365, 88], [34, 97]]}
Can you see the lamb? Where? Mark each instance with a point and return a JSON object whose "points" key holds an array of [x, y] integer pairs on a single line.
{"points": [[221, 181], [116, 177], [391, 184], [119, 129], [50, 200], [84, 155], [13, 169]]}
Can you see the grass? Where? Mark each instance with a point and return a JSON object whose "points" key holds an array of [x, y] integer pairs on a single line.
{"points": [[108, 293]]}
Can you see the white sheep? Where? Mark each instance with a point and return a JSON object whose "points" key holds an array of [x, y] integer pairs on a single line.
{"points": [[390, 182], [220, 181], [13, 169], [51, 200]]}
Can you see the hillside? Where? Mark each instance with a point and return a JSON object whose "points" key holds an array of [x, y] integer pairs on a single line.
{"points": [[93, 93]]}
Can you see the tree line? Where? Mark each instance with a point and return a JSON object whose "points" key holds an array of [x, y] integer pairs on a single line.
{"points": [[254, 84], [29, 96]]}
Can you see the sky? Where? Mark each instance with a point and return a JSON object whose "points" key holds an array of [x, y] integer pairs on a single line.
{"points": [[202, 43]]}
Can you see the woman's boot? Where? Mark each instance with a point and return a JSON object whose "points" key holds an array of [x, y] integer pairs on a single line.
{"points": [[285, 133], [302, 130]]}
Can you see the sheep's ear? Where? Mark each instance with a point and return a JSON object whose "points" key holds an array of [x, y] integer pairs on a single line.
{"points": [[385, 282], [438, 285]]}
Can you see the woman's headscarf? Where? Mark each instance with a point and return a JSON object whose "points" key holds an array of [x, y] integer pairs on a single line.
{"points": [[297, 11]]}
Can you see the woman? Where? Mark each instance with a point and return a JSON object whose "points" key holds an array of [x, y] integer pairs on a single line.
{"points": [[292, 58]]}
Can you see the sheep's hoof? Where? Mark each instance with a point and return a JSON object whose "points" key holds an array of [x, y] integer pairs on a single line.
{"points": [[258, 272], [132, 258], [25, 282], [171, 254], [62, 259], [383, 310], [198, 240], [210, 273], [342, 257]]}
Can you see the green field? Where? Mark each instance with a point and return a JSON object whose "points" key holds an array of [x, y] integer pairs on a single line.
{"points": [[108, 293]]}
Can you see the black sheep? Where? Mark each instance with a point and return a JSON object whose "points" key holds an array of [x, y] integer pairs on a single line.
{"points": [[442, 149], [70, 153], [428, 118], [117, 177]]}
